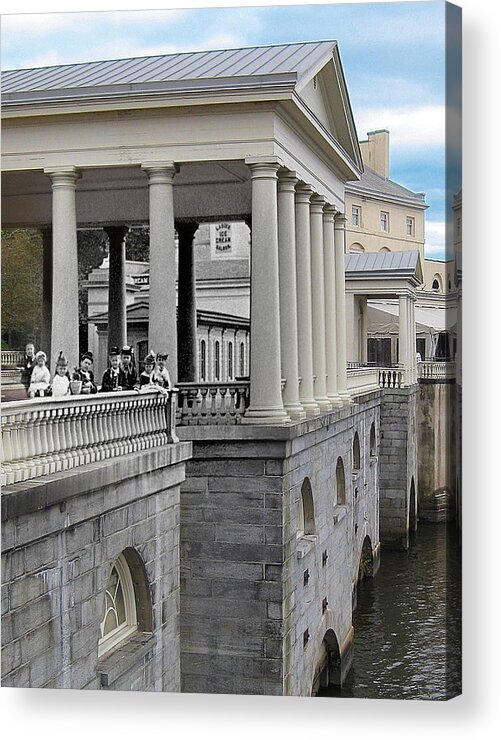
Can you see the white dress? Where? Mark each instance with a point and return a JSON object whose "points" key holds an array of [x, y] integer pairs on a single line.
{"points": [[60, 386], [40, 379]]}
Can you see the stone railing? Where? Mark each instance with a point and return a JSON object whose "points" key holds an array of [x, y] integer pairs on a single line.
{"points": [[433, 370], [12, 358], [45, 435], [391, 377], [361, 378], [212, 403]]}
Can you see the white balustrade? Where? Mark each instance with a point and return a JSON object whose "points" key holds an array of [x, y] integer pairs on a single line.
{"points": [[212, 403], [432, 370], [12, 358], [362, 379], [46, 435], [391, 377]]}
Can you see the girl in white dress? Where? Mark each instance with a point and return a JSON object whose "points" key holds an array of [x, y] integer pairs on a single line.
{"points": [[61, 380], [40, 376]]}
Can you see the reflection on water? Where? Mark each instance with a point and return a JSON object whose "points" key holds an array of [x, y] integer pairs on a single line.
{"points": [[408, 623]]}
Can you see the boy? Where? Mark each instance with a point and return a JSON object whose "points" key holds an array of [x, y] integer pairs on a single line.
{"points": [[113, 375]]}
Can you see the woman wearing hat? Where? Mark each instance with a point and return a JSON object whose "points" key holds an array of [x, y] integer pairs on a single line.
{"points": [[129, 379], [161, 374], [40, 376], [113, 375], [146, 378], [85, 374], [61, 381]]}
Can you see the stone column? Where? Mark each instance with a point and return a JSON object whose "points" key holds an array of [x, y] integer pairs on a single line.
{"points": [[363, 333], [330, 307], [339, 249], [162, 332], [304, 310], [117, 317], [318, 302], [403, 336], [266, 406], [45, 342], [413, 339], [64, 325], [288, 294], [187, 358]]}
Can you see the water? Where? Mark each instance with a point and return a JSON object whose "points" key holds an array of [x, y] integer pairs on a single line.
{"points": [[408, 623]]}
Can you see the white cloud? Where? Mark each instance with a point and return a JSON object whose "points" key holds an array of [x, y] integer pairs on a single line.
{"points": [[410, 128]]}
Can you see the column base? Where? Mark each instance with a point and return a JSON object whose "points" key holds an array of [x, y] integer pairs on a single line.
{"points": [[295, 411], [335, 401], [273, 415], [310, 406], [324, 404], [345, 397]]}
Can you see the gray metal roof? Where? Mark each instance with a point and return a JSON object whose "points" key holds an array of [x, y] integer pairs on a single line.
{"points": [[289, 60], [391, 263], [373, 183]]}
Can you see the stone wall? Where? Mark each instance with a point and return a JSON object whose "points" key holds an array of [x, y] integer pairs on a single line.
{"points": [[253, 593], [61, 535], [437, 450], [398, 465]]}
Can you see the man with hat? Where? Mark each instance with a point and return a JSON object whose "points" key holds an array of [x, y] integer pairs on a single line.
{"points": [[129, 374], [60, 385], [85, 374], [113, 375]]}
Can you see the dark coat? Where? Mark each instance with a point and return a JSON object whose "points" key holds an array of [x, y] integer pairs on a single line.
{"points": [[86, 378], [112, 382]]}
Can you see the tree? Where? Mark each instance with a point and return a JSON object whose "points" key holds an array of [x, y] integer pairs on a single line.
{"points": [[22, 271]]}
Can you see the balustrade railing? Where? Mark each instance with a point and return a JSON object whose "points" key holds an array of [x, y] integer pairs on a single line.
{"points": [[212, 403], [391, 377], [44, 436], [433, 370], [12, 358], [361, 378]]}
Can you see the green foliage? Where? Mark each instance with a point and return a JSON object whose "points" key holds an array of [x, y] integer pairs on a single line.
{"points": [[22, 270]]}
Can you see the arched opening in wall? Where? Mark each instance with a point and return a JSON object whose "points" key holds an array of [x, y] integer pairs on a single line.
{"points": [[306, 512], [413, 519], [356, 453], [366, 565], [372, 441], [328, 666], [340, 497], [242, 359], [230, 360], [217, 361], [203, 359], [356, 247], [385, 249], [437, 283], [127, 602]]}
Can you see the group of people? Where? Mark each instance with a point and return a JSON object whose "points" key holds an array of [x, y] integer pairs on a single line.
{"points": [[121, 374]]}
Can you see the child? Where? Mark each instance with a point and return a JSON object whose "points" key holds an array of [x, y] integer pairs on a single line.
{"points": [[85, 374], [113, 376], [161, 374], [61, 380], [28, 364], [40, 376], [146, 378], [129, 378]]}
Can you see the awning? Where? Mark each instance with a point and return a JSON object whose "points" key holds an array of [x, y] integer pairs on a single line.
{"points": [[382, 317]]}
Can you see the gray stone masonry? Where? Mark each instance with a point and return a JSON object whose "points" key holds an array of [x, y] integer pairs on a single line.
{"points": [[397, 464], [245, 602], [61, 534]]}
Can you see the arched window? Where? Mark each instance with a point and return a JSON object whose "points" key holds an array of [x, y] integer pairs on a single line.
{"points": [[356, 452], [119, 618], [230, 360], [385, 249], [356, 247], [437, 283], [242, 359], [340, 482], [372, 441], [203, 359], [217, 362], [127, 602], [306, 513]]}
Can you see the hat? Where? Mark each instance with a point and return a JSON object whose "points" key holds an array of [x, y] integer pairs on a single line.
{"points": [[114, 351], [162, 356], [61, 360], [126, 350], [149, 359], [40, 353], [87, 356]]}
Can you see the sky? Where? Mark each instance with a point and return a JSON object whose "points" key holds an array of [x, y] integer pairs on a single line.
{"points": [[393, 55]]}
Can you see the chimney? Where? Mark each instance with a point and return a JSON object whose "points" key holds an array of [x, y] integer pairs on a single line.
{"points": [[376, 152]]}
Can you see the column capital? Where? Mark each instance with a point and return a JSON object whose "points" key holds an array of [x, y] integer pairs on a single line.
{"points": [[186, 228], [160, 172], [317, 203], [63, 176], [340, 220], [329, 212], [117, 232], [263, 167], [303, 193], [287, 180]]}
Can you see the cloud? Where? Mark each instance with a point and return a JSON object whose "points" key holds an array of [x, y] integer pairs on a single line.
{"points": [[410, 128]]}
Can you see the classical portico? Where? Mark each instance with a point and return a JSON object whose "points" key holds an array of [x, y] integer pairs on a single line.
{"points": [[274, 151]]}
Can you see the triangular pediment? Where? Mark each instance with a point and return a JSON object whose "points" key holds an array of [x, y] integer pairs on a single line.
{"points": [[323, 89]]}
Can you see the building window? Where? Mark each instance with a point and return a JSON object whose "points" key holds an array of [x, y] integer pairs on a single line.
{"points": [[217, 361], [306, 512], [409, 226], [372, 441], [242, 359], [356, 247], [356, 216], [119, 619], [437, 283], [203, 359], [385, 220], [340, 482], [230, 360], [356, 452]]}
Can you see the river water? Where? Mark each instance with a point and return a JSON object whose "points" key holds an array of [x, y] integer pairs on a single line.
{"points": [[408, 623]]}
